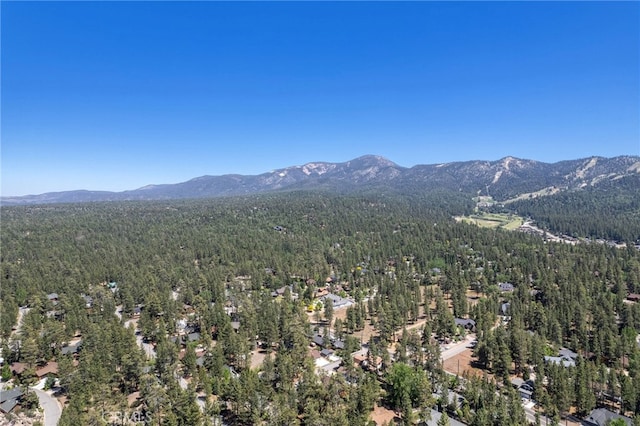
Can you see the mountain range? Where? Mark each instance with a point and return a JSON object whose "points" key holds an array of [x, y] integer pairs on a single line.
{"points": [[503, 179]]}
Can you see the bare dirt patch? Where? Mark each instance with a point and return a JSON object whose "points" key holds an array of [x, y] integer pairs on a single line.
{"points": [[363, 335], [381, 415], [472, 298], [461, 363], [258, 356]]}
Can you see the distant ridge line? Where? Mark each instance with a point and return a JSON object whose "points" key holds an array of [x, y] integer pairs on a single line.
{"points": [[502, 179]]}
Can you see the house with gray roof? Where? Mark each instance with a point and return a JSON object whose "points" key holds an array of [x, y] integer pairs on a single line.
{"points": [[560, 360], [326, 352], [338, 344], [506, 287], [566, 358], [318, 340], [466, 323], [524, 388], [602, 417], [338, 302], [505, 308], [10, 398], [88, 301], [435, 418], [568, 353], [193, 337], [71, 349]]}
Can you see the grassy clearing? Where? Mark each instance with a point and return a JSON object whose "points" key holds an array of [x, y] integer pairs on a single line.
{"points": [[493, 220]]}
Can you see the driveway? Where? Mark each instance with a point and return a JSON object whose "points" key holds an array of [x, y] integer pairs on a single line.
{"points": [[454, 349], [51, 407], [22, 311]]}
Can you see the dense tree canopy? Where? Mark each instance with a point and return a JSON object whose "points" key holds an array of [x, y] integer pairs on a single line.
{"points": [[215, 264]]}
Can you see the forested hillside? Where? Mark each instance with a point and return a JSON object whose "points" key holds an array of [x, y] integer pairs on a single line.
{"points": [[189, 311], [608, 211]]}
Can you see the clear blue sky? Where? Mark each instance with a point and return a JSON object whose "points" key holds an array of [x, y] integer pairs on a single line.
{"points": [[117, 95]]}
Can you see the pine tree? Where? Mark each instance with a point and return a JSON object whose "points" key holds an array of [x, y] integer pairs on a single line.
{"points": [[444, 420]]}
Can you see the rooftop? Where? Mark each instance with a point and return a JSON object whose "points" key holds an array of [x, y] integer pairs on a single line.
{"points": [[602, 416]]}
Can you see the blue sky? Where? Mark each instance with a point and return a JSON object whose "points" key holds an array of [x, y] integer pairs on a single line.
{"points": [[118, 95]]}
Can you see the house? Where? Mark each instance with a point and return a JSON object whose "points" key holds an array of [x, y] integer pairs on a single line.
{"points": [[321, 292], [369, 364], [524, 388], [88, 300], [566, 358], [331, 367], [435, 418], [505, 308], [315, 354], [326, 353], [188, 337], [526, 393], [18, 368], [506, 287], [602, 417], [338, 302], [517, 383], [278, 292], [568, 353], [560, 360], [193, 337], [281, 291], [326, 361], [338, 344], [318, 340], [633, 297], [49, 369], [53, 298], [71, 349], [10, 398], [467, 324]]}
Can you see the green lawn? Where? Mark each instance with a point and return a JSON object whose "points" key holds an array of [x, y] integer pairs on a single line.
{"points": [[492, 220]]}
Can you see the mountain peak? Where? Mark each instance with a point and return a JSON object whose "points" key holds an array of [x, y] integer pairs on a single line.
{"points": [[374, 159], [503, 179]]}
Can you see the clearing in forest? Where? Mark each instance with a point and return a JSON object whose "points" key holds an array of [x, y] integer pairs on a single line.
{"points": [[493, 220], [461, 363], [383, 416]]}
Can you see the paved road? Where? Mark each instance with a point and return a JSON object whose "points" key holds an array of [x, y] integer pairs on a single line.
{"points": [[457, 348], [51, 407], [530, 414]]}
